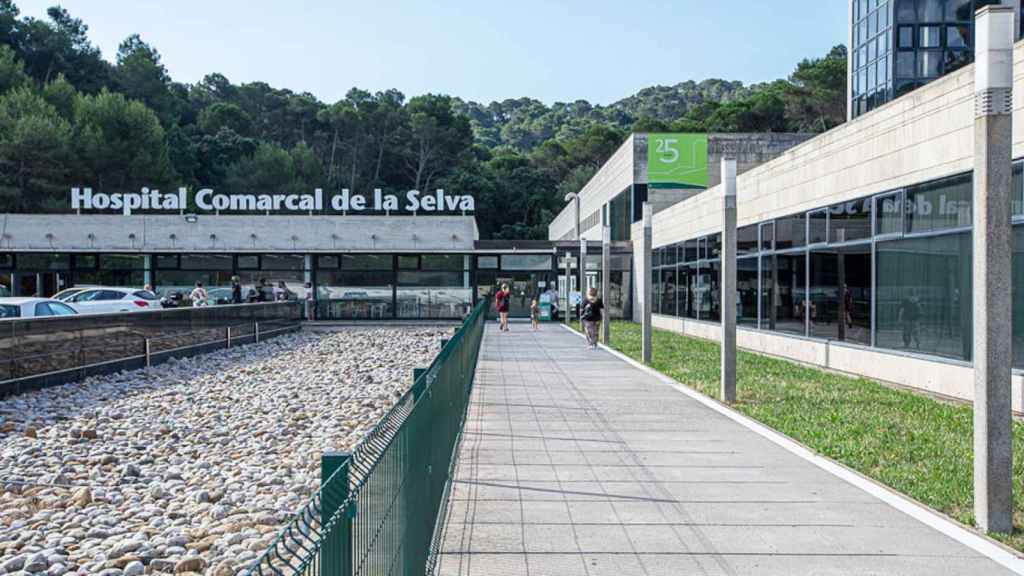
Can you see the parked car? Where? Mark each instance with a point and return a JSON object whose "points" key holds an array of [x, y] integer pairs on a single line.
{"points": [[108, 300], [67, 293], [18, 307]]}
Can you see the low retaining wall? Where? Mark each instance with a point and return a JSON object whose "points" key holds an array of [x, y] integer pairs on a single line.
{"points": [[949, 378]]}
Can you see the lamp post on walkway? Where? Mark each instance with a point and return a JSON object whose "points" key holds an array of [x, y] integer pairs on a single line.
{"points": [[992, 354], [728, 281], [606, 282], [645, 269]]}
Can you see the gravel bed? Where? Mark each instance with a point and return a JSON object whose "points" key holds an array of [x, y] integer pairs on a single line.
{"points": [[194, 465]]}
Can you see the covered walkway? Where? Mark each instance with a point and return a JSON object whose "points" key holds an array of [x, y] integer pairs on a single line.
{"points": [[574, 462]]}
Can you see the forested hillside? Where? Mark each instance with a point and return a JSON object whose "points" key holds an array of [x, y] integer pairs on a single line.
{"points": [[70, 117]]}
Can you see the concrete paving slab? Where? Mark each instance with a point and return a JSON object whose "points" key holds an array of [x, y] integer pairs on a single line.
{"points": [[576, 462]]}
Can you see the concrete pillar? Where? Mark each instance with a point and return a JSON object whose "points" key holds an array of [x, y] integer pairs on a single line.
{"points": [[992, 355], [606, 282], [647, 285], [568, 288], [582, 272], [727, 283]]}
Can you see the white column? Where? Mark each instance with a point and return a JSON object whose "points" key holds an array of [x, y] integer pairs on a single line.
{"points": [[727, 283], [648, 219], [992, 354], [606, 281]]}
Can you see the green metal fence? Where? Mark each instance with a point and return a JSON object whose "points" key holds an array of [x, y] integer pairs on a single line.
{"points": [[377, 508]]}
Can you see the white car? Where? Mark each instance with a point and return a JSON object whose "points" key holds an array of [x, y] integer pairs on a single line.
{"points": [[109, 300], [16, 307]]}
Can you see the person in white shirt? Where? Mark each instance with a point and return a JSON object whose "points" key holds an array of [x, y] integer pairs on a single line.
{"points": [[198, 295]]}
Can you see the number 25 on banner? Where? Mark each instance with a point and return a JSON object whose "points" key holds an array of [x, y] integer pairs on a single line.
{"points": [[668, 150]]}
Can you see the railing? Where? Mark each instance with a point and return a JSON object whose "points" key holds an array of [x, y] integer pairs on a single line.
{"points": [[37, 352], [376, 511]]}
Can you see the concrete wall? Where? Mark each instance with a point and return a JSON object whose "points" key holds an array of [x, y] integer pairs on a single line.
{"points": [[749, 151], [617, 174], [924, 135], [156, 233], [942, 377]]}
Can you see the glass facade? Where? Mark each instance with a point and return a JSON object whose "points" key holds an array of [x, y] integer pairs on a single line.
{"points": [[891, 271], [900, 45]]}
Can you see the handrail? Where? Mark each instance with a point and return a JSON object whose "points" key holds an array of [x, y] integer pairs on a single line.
{"points": [[383, 500]]}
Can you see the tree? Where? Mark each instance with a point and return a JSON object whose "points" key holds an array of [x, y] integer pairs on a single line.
{"points": [[816, 99], [61, 95], [141, 76], [221, 115], [12, 71], [34, 151], [120, 143], [60, 46], [437, 139], [270, 170]]}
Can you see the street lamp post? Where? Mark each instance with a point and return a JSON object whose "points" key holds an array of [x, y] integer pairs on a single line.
{"points": [[575, 199]]}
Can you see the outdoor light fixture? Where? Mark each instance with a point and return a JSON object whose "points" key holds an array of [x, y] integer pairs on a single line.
{"points": [[191, 218], [575, 199], [131, 236], [213, 236]]}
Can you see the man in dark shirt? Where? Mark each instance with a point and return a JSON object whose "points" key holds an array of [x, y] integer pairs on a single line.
{"points": [[592, 316]]}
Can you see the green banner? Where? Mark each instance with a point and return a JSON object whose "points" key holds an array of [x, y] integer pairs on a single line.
{"points": [[678, 159]]}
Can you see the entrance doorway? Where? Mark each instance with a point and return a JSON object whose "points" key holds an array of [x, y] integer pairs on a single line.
{"points": [[41, 284]]}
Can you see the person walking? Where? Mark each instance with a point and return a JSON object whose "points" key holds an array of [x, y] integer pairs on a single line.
{"points": [[592, 316], [535, 314], [198, 295], [501, 303], [281, 292], [310, 302], [236, 290]]}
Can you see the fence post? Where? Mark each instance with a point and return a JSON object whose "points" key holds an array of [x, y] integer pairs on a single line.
{"points": [[336, 553], [149, 361], [256, 331], [228, 332]]}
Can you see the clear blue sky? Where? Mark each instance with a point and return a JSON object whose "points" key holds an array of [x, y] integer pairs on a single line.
{"points": [[552, 50]]}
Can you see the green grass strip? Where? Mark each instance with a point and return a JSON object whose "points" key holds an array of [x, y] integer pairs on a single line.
{"points": [[916, 444]]}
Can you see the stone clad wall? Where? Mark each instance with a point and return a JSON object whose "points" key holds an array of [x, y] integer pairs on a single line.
{"points": [[210, 233]]}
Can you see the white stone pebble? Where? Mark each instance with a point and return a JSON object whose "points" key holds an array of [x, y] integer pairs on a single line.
{"points": [[195, 464]]}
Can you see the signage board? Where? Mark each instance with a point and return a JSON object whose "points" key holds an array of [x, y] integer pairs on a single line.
{"points": [[208, 200], [679, 160]]}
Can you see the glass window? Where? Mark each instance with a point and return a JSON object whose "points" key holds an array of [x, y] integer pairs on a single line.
{"points": [[668, 292], [715, 246], [872, 79], [487, 262], [790, 232], [929, 63], [656, 291], [784, 289], [746, 291], [58, 309], [686, 291], [905, 38], [206, 262], [122, 261], [881, 71], [928, 37], [328, 261], [850, 221], [168, 261], [872, 50], [929, 10], [906, 11], [905, 65], [711, 300], [357, 294], [873, 24], [962, 10], [746, 240], [282, 262], [9, 311], [1017, 190], [883, 16], [840, 301], [939, 205], [82, 261], [690, 251], [443, 262], [957, 36], [956, 59], [702, 248], [39, 261], [817, 232], [366, 262], [408, 262], [249, 262], [433, 294], [526, 262], [1017, 287], [924, 295], [888, 219], [768, 236]]}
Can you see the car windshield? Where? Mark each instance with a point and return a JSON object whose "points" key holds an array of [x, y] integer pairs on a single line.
{"points": [[145, 295], [65, 294], [9, 311]]}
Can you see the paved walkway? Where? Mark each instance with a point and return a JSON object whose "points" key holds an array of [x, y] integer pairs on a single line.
{"points": [[574, 462]]}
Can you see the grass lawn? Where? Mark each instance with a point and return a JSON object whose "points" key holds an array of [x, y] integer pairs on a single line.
{"points": [[918, 445]]}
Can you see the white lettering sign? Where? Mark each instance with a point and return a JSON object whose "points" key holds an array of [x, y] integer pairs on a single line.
{"points": [[208, 200]]}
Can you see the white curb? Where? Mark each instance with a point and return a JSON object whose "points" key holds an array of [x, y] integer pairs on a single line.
{"points": [[981, 544]]}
